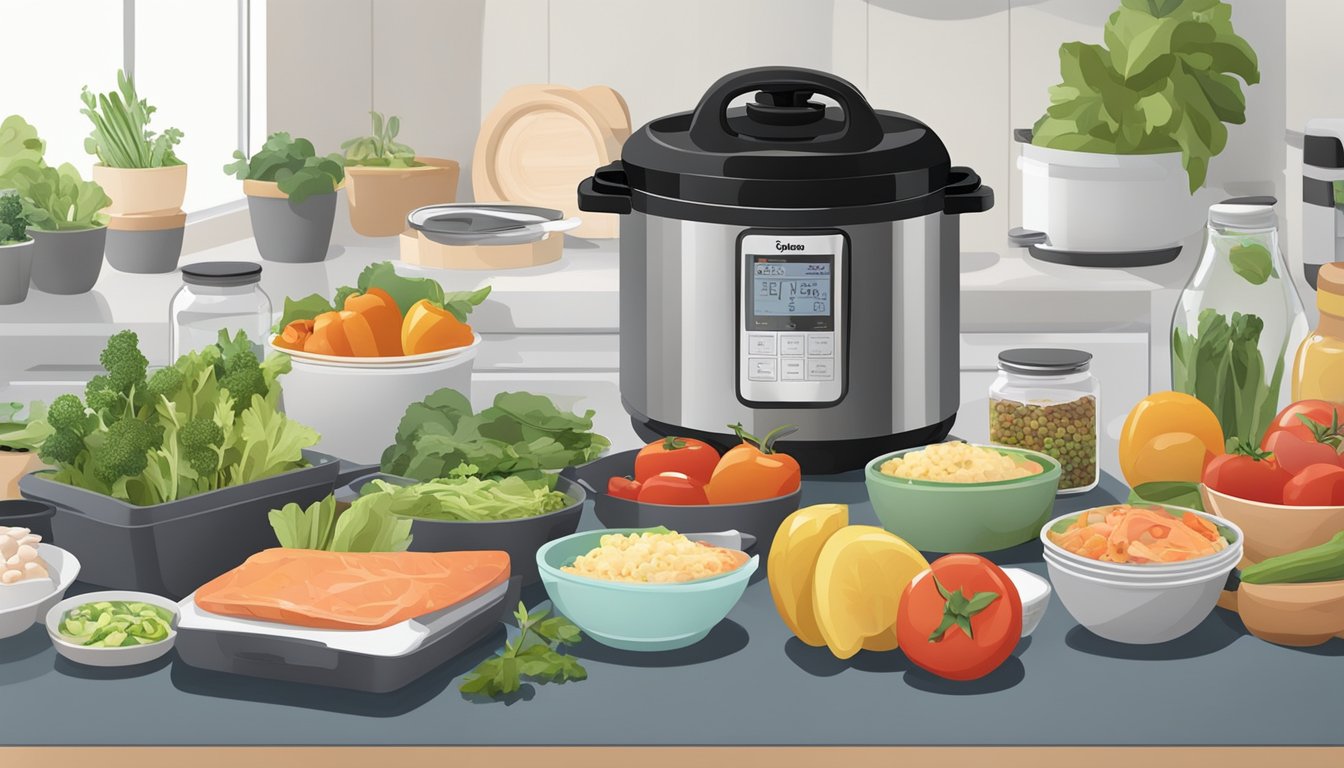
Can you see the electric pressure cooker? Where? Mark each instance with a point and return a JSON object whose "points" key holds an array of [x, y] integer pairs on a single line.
{"points": [[789, 262]]}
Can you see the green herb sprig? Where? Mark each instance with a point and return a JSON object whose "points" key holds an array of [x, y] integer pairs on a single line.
{"points": [[533, 655]]}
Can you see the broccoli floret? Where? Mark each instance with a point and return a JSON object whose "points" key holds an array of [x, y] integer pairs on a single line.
{"points": [[164, 383], [66, 413], [200, 437], [62, 447], [103, 397], [243, 378], [123, 362], [125, 449], [13, 226]]}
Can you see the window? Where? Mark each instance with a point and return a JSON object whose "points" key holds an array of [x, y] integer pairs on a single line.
{"points": [[193, 61]]}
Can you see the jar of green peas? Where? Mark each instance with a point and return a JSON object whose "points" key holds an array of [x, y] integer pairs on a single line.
{"points": [[1047, 400]]}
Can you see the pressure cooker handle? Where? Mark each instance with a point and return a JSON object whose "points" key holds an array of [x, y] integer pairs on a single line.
{"points": [[788, 89], [964, 193], [606, 191]]}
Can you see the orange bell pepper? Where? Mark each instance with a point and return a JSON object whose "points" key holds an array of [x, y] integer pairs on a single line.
{"points": [[294, 335], [380, 312], [753, 470], [328, 336], [428, 328]]}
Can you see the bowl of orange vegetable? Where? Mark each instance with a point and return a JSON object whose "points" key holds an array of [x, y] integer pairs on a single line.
{"points": [[1140, 573], [362, 357], [685, 484]]}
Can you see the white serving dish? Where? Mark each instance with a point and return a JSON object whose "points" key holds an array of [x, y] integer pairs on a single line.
{"points": [[110, 657], [15, 620], [1035, 593]]}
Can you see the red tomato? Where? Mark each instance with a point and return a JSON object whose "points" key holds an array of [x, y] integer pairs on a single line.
{"points": [[623, 488], [1257, 477], [754, 471], [1290, 420], [692, 458], [1320, 485], [672, 488], [1295, 453], [956, 593]]}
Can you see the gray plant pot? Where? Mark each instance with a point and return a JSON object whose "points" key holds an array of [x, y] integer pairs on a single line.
{"points": [[16, 269], [67, 261], [144, 252], [294, 234]]}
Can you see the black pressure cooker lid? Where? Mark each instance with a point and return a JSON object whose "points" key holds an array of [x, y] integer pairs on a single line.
{"points": [[785, 150]]}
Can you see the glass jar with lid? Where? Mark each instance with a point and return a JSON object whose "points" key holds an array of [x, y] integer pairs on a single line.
{"points": [[1047, 400], [215, 296]]}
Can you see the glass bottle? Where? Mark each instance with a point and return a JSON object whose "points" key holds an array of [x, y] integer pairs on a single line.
{"points": [[1047, 400], [215, 296], [1318, 371], [1237, 320]]}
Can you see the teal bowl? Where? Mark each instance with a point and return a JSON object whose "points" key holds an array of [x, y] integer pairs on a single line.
{"points": [[964, 517], [637, 617]]}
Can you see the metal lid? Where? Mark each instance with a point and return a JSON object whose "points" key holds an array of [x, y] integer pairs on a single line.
{"points": [[482, 224], [1243, 217], [1039, 361], [222, 273]]}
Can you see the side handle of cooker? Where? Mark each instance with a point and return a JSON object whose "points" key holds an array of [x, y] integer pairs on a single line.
{"points": [[964, 193], [606, 191]]}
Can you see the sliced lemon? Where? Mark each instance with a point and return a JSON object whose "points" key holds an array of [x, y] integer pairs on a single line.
{"points": [[793, 558], [861, 572]]}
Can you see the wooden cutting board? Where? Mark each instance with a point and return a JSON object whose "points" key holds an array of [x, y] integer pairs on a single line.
{"points": [[540, 141]]}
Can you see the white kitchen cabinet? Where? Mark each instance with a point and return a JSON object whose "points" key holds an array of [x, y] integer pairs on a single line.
{"points": [[1119, 362]]}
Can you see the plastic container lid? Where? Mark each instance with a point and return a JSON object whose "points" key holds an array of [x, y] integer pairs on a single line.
{"points": [[222, 273], [1243, 217], [1035, 361]]}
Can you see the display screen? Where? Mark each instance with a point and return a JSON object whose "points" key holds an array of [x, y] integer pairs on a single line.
{"points": [[792, 292]]}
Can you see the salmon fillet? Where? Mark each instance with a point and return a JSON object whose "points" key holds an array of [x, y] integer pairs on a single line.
{"points": [[348, 590]]}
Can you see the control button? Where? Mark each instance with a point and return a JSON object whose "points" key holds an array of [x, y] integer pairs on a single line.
{"points": [[791, 345], [761, 344], [793, 370], [820, 345], [761, 369], [820, 370]]}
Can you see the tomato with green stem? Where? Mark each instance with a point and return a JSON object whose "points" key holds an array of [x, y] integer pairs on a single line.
{"points": [[1247, 473], [693, 458], [960, 619], [1301, 417], [754, 470]]}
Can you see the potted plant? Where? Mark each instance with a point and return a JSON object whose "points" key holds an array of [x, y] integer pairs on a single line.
{"points": [[387, 180], [1111, 170], [66, 221], [16, 250], [136, 167], [291, 197]]}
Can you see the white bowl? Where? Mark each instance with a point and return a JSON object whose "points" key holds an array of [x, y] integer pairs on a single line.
{"points": [[1147, 572], [17, 619], [399, 361], [1035, 593], [110, 657]]}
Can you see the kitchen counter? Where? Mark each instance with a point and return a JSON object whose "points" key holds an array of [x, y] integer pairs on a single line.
{"points": [[748, 683]]}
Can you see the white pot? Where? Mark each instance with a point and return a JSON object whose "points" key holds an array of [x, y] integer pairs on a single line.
{"points": [[356, 403], [1100, 203]]}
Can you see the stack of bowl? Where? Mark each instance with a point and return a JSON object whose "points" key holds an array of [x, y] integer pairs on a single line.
{"points": [[1143, 603]]}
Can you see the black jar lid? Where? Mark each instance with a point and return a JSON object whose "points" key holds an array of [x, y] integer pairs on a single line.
{"points": [[222, 273], [1040, 361]]}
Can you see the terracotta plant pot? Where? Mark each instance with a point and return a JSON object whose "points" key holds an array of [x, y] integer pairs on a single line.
{"points": [[1298, 615], [284, 231], [145, 243], [142, 190], [380, 198], [16, 269], [67, 261]]}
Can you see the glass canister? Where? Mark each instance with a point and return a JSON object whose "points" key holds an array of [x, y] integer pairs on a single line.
{"points": [[1047, 400], [219, 295], [1318, 372], [1237, 321]]}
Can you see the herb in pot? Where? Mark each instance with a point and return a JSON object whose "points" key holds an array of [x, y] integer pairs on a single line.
{"points": [[293, 165], [58, 199], [121, 137], [380, 149], [533, 655]]}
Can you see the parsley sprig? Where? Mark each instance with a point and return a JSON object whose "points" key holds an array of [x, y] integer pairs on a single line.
{"points": [[534, 654]]}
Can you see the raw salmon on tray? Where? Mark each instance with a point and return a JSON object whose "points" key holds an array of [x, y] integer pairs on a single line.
{"points": [[349, 590]]}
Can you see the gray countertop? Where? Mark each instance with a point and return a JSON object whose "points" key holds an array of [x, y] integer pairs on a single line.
{"points": [[748, 683]]}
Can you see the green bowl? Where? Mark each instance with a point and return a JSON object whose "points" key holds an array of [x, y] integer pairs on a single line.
{"points": [[964, 517], [637, 617]]}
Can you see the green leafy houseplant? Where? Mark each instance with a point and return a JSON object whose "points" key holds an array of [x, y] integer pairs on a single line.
{"points": [[20, 148], [121, 137], [1163, 82], [293, 165], [380, 149], [59, 199]]}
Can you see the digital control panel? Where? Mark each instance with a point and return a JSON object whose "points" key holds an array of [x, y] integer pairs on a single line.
{"points": [[791, 295]]}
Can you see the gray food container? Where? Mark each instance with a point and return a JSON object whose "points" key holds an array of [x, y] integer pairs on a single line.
{"points": [[520, 538], [172, 548], [305, 661]]}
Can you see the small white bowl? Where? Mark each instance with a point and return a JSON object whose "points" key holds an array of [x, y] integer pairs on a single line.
{"points": [[15, 620], [110, 657], [1035, 593]]}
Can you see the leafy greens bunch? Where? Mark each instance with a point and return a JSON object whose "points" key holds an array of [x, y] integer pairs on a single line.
{"points": [[463, 497], [534, 655], [1221, 364], [121, 137], [405, 291], [519, 433], [1163, 82], [292, 164], [208, 421], [23, 433], [371, 524], [381, 148], [49, 198]]}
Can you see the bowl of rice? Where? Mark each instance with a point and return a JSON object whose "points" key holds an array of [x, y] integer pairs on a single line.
{"points": [[643, 589], [963, 497]]}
